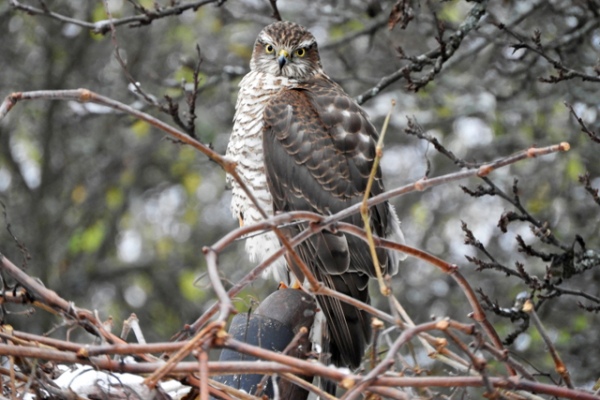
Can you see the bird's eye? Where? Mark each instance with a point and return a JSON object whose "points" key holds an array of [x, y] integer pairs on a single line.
{"points": [[269, 48], [301, 52]]}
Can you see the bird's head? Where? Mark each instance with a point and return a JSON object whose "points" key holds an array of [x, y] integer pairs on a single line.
{"points": [[286, 49]]}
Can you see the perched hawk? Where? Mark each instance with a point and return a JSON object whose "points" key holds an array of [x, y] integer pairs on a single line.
{"points": [[301, 143]]}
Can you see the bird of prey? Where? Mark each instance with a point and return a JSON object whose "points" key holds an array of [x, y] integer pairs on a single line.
{"points": [[302, 144]]}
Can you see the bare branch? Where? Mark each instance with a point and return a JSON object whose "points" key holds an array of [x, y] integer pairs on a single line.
{"points": [[564, 72], [559, 365], [276, 14], [103, 27], [584, 128], [437, 56]]}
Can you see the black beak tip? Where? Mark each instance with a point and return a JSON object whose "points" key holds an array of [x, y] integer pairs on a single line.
{"points": [[281, 61]]}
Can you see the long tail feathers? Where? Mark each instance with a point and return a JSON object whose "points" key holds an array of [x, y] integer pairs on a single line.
{"points": [[349, 328]]}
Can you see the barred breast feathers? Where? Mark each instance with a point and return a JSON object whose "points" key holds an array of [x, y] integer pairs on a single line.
{"points": [[245, 148]]}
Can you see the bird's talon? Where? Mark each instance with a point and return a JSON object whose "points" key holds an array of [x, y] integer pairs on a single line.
{"points": [[295, 285]]}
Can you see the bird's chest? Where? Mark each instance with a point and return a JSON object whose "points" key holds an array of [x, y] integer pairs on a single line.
{"points": [[256, 90], [246, 142], [246, 149]]}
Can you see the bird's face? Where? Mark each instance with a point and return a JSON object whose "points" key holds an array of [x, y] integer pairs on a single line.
{"points": [[286, 49]]}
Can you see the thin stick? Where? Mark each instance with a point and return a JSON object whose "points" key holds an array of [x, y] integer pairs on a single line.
{"points": [[560, 366], [364, 209], [426, 183], [198, 340], [85, 95], [450, 269], [203, 366], [388, 361], [307, 385]]}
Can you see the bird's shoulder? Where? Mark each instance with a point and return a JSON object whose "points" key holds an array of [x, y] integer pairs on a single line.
{"points": [[320, 107], [314, 130]]}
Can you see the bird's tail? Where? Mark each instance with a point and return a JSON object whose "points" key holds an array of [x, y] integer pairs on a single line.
{"points": [[349, 328]]}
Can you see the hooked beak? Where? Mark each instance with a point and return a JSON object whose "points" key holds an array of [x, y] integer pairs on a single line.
{"points": [[282, 58]]}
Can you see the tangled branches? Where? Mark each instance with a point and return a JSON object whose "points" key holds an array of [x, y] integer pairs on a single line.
{"points": [[473, 351], [473, 60]]}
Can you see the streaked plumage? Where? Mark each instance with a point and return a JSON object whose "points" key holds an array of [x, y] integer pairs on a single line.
{"points": [[302, 143]]}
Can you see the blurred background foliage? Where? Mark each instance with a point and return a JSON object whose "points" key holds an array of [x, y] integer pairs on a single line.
{"points": [[113, 215]]}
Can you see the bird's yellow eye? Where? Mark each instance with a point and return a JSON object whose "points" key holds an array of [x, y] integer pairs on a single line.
{"points": [[269, 48], [301, 52]]}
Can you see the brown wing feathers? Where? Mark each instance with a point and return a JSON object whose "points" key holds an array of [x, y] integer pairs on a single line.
{"points": [[318, 150]]}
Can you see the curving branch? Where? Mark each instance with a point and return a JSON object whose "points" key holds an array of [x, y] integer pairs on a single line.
{"points": [[146, 16]]}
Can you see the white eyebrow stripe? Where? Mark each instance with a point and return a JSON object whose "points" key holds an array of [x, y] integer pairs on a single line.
{"points": [[265, 37], [306, 43]]}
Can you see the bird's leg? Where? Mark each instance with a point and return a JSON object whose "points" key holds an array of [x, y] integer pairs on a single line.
{"points": [[295, 275], [296, 284]]}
